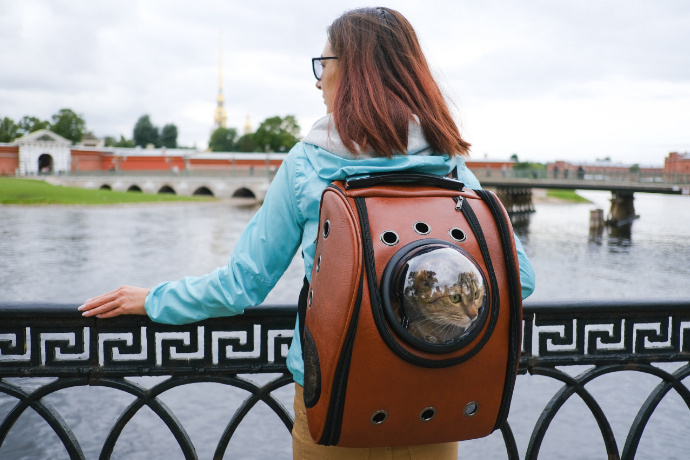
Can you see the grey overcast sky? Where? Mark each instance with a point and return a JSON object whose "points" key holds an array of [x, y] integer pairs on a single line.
{"points": [[567, 79]]}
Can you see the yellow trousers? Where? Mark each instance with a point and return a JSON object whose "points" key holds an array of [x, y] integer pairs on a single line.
{"points": [[304, 448]]}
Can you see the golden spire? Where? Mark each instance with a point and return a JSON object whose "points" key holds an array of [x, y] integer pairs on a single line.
{"points": [[247, 126], [220, 116]]}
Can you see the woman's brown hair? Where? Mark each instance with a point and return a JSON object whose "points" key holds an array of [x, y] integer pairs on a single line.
{"points": [[384, 81]]}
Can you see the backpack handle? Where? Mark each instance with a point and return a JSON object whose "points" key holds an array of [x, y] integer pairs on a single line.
{"points": [[428, 180]]}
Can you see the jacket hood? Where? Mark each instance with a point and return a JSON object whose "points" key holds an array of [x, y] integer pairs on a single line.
{"points": [[332, 161]]}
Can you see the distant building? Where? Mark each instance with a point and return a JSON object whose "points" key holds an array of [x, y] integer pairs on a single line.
{"points": [[44, 152], [89, 140], [488, 166], [40, 152], [599, 169], [677, 163]]}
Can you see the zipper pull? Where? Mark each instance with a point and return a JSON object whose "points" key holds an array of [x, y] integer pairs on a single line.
{"points": [[458, 202]]}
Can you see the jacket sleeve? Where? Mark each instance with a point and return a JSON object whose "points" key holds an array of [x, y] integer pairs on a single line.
{"points": [[527, 275], [262, 253]]}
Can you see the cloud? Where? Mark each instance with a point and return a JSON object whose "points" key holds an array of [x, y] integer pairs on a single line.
{"points": [[568, 79]]}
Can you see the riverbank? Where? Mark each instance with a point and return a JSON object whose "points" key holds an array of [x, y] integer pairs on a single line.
{"points": [[540, 195], [37, 192]]}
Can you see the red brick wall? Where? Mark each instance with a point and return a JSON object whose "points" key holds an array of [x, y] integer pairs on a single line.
{"points": [[87, 160], [495, 165], [149, 163], [677, 163], [9, 160]]}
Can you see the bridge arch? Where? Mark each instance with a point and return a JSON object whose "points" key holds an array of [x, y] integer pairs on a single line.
{"points": [[203, 191], [244, 192], [167, 189], [105, 187], [134, 188]]}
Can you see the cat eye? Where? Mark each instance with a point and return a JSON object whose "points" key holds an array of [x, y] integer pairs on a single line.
{"points": [[455, 298]]}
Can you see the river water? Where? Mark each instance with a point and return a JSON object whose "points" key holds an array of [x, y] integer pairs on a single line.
{"points": [[71, 253]]}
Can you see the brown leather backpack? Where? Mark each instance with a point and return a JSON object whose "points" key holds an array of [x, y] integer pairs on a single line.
{"points": [[394, 250]]}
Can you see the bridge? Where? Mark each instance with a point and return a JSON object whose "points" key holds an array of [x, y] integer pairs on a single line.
{"points": [[611, 185], [514, 188], [245, 183]]}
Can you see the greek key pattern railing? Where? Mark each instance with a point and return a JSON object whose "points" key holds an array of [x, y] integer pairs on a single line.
{"points": [[53, 340]]}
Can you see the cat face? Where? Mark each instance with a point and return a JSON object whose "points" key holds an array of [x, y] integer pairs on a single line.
{"points": [[441, 298]]}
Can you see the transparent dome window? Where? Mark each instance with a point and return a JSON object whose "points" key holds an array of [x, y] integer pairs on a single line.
{"points": [[436, 295]]}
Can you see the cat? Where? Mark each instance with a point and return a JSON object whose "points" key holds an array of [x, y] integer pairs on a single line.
{"points": [[441, 312]]}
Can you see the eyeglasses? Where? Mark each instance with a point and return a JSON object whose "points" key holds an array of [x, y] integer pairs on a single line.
{"points": [[317, 65]]}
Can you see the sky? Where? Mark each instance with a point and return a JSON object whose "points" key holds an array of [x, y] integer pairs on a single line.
{"points": [[575, 80]]}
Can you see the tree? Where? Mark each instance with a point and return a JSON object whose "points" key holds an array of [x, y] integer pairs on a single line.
{"points": [[30, 124], [514, 157], [223, 140], [110, 141], [69, 125], [144, 132], [604, 159], [529, 165], [9, 130], [246, 144], [277, 134], [168, 137]]}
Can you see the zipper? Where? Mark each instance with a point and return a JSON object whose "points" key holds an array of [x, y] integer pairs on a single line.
{"points": [[458, 202]]}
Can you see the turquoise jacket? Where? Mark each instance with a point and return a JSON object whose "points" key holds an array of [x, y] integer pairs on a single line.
{"points": [[288, 220]]}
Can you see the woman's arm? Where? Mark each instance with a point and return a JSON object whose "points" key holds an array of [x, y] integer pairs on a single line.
{"points": [[262, 253]]}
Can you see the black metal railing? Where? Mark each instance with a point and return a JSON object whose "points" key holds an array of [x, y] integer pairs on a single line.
{"points": [[54, 341]]}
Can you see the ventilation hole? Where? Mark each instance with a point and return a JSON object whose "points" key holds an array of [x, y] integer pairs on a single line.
{"points": [[318, 264], [326, 228], [422, 228], [390, 238], [457, 234], [379, 417], [471, 408], [311, 297], [427, 414]]}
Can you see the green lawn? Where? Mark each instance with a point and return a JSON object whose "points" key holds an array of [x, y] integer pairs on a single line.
{"points": [[29, 191], [567, 195]]}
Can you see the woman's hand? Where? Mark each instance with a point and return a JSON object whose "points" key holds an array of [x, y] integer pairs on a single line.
{"points": [[126, 300]]}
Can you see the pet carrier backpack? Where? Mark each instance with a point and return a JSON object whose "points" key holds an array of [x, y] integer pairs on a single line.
{"points": [[412, 321]]}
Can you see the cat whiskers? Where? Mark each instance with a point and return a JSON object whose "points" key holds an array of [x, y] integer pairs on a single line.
{"points": [[441, 332]]}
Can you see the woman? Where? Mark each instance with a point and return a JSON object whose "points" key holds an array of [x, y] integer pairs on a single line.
{"points": [[384, 113]]}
